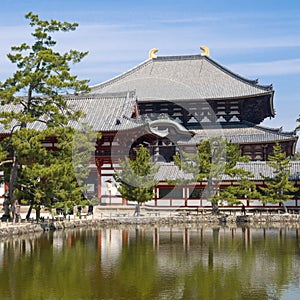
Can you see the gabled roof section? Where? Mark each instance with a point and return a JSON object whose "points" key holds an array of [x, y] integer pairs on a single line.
{"points": [[183, 77]]}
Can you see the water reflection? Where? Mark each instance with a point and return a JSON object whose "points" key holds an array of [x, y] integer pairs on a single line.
{"points": [[153, 263]]}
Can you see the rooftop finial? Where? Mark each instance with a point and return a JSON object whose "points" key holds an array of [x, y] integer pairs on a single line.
{"points": [[152, 53], [205, 51]]}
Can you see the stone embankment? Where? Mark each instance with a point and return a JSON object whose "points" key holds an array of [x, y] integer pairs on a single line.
{"points": [[7, 229]]}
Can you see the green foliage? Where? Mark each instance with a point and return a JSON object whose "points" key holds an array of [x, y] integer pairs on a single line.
{"points": [[43, 75], [35, 96], [215, 158], [52, 177], [279, 189], [136, 177]]}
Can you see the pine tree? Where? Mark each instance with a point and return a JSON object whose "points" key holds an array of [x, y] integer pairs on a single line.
{"points": [[136, 177], [52, 178], [278, 187], [35, 92], [215, 158]]}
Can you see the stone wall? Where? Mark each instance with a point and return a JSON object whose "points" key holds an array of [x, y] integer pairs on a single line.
{"points": [[7, 229]]}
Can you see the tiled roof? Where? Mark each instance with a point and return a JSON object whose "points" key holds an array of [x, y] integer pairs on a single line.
{"points": [[105, 112], [243, 133], [182, 78], [261, 167], [169, 171]]}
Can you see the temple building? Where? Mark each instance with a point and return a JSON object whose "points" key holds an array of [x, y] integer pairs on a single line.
{"points": [[170, 104]]}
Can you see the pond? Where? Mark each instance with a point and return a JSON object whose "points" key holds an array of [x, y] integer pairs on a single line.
{"points": [[153, 263]]}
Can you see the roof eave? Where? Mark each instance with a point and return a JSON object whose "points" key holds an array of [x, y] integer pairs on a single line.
{"points": [[272, 109]]}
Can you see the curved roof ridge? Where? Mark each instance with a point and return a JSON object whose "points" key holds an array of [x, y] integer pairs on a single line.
{"points": [[91, 95], [238, 76], [269, 129], [276, 130]]}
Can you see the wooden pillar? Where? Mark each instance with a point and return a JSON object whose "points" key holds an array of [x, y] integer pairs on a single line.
{"points": [[156, 238], [186, 239], [99, 249], [124, 238]]}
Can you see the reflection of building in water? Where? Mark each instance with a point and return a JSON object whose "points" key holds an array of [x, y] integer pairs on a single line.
{"points": [[59, 240], [111, 247], [18, 246], [1, 253]]}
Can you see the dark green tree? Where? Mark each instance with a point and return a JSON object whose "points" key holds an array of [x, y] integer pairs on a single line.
{"points": [[215, 158], [278, 187], [52, 178], [35, 94], [136, 178]]}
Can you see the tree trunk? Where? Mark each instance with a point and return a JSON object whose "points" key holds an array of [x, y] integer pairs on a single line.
{"points": [[37, 213], [29, 211], [211, 193], [215, 208], [13, 182]]}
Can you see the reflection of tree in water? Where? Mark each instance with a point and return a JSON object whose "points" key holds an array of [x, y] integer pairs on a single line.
{"points": [[39, 269], [219, 263]]}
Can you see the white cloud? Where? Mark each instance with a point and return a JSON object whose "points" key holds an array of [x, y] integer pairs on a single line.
{"points": [[118, 46]]}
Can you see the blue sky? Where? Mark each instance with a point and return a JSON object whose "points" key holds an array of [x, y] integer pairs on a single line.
{"points": [[256, 39]]}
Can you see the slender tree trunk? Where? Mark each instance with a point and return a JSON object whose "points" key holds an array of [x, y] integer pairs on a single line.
{"points": [[13, 182], [37, 213], [29, 211], [211, 192], [215, 208]]}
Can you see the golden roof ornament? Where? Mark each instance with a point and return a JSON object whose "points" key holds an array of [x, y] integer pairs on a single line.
{"points": [[205, 51], [152, 53]]}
